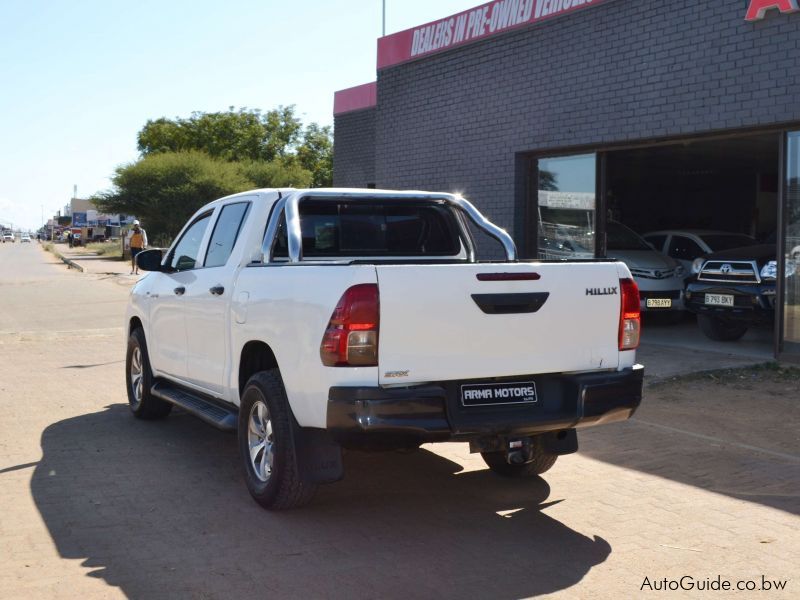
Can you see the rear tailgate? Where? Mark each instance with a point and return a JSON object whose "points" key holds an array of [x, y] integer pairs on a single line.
{"points": [[441, 322]]}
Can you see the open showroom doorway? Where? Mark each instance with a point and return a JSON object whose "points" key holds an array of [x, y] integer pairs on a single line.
{"points": [[695, 220], [709, 212]]}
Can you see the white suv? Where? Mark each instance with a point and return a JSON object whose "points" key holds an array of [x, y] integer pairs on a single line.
{"points": [[660, 278], [687, 245]]}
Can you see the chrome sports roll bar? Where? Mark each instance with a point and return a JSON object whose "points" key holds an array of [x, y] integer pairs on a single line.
{"points": [[290, 206]]}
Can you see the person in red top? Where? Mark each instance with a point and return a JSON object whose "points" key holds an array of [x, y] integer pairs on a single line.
{"points": [[137, 240]]}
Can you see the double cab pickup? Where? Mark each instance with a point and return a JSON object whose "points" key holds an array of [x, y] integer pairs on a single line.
{"points": [[308, 321]]}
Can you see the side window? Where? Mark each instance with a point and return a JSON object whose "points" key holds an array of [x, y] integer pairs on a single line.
{"points": [[682, 248], [657, 241], [225, 234], [184, 256]]}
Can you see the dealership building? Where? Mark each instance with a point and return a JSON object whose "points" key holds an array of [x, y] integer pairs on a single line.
{"points": [[559, 118]]}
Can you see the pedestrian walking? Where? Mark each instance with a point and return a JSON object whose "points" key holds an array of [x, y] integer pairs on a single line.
{"points": [[137, 241]]}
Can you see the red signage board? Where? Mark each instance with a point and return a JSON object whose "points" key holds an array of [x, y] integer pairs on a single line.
{"points": [[471, 25], [355, 98], [758, 8]]}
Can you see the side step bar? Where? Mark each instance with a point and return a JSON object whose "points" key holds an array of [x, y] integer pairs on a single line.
{"points": [[211, 412]]}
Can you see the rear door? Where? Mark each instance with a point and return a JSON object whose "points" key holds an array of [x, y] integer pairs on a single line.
{"points": [[471, 321]]}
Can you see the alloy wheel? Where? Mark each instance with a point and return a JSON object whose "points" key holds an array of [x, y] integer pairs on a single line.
{"points": [[260, 441]]}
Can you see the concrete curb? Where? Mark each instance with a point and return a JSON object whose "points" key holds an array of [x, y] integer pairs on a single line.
{"points": [[662, 379], [70, 263]]}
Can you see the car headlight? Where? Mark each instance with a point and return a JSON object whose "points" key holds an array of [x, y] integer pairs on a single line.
{"points": [[680, 271], [697, 265], [770, 270]]}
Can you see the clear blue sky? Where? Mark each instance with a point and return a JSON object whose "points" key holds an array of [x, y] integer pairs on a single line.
{"points": [[79, 78]]}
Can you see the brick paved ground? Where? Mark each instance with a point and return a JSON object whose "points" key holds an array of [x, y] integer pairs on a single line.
{"points": [[705, 481]]}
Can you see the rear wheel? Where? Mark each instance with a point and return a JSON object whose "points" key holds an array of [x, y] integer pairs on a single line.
{"points": [[266, 446], [721, 330], [139, 380], [539, 463]]}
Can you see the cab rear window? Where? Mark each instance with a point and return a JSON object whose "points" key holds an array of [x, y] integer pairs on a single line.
{"points": [[331, 229]]}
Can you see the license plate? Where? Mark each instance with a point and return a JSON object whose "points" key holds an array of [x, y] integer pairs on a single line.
{"points": [[491, 394], [719, 299], [659, 303]]}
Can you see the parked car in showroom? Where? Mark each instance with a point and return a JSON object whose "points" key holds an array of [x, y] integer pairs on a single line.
{"points": [[660, 278], [735, 290], [687, 245]]}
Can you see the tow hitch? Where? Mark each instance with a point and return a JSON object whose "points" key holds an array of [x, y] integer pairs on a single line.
{"points": [[519, 451], [522, 450]]}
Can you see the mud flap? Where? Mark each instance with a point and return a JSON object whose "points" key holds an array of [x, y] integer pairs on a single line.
{"points": [[319, 458]]}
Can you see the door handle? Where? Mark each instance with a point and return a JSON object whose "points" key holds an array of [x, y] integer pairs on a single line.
{"points": [[217, 290], [510, 304], [179, 291]]}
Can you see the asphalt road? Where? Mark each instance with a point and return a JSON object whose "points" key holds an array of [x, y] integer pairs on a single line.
{"points": [[96, 504]]}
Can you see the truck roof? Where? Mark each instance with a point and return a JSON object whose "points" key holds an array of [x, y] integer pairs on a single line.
{"points": [[355, 193]]}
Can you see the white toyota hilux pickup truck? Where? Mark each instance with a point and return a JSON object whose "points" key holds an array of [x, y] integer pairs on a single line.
{"points": [[314, 320]]}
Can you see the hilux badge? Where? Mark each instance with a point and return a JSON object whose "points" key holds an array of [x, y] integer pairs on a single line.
{"points": [[609, 291]]}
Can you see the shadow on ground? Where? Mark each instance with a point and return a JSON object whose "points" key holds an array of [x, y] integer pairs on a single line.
{"points": [[733, 433], [160, 509]]}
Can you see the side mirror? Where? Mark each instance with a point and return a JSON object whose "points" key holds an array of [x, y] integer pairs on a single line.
{"points": [[150, 260]]}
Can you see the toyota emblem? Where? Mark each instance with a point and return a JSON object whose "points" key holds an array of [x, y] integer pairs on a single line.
{"points": [[726, 268]]}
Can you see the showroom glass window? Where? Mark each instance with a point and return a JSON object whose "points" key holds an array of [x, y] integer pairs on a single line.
{"points": [[567, 203], [791, 331]]}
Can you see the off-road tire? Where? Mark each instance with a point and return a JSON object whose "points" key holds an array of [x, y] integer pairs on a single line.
{"points": [[721, 330], [146, 406], [541, 462], [285, 487]]}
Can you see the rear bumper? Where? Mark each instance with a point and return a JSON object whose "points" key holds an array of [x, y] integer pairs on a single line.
{"points": [[359, 416]]}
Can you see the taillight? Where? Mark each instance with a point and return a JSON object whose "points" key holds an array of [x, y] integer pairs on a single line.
{"points": [[630, 316], [351, 338]]}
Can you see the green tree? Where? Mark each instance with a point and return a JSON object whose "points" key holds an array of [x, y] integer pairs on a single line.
{"points": [[548, 181], [275, 174], [315, 154], [164, 189], [187, 162], [234, 135]]}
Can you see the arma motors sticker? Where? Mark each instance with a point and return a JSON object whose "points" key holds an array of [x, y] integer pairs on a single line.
{"points": [[758, 8]]}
